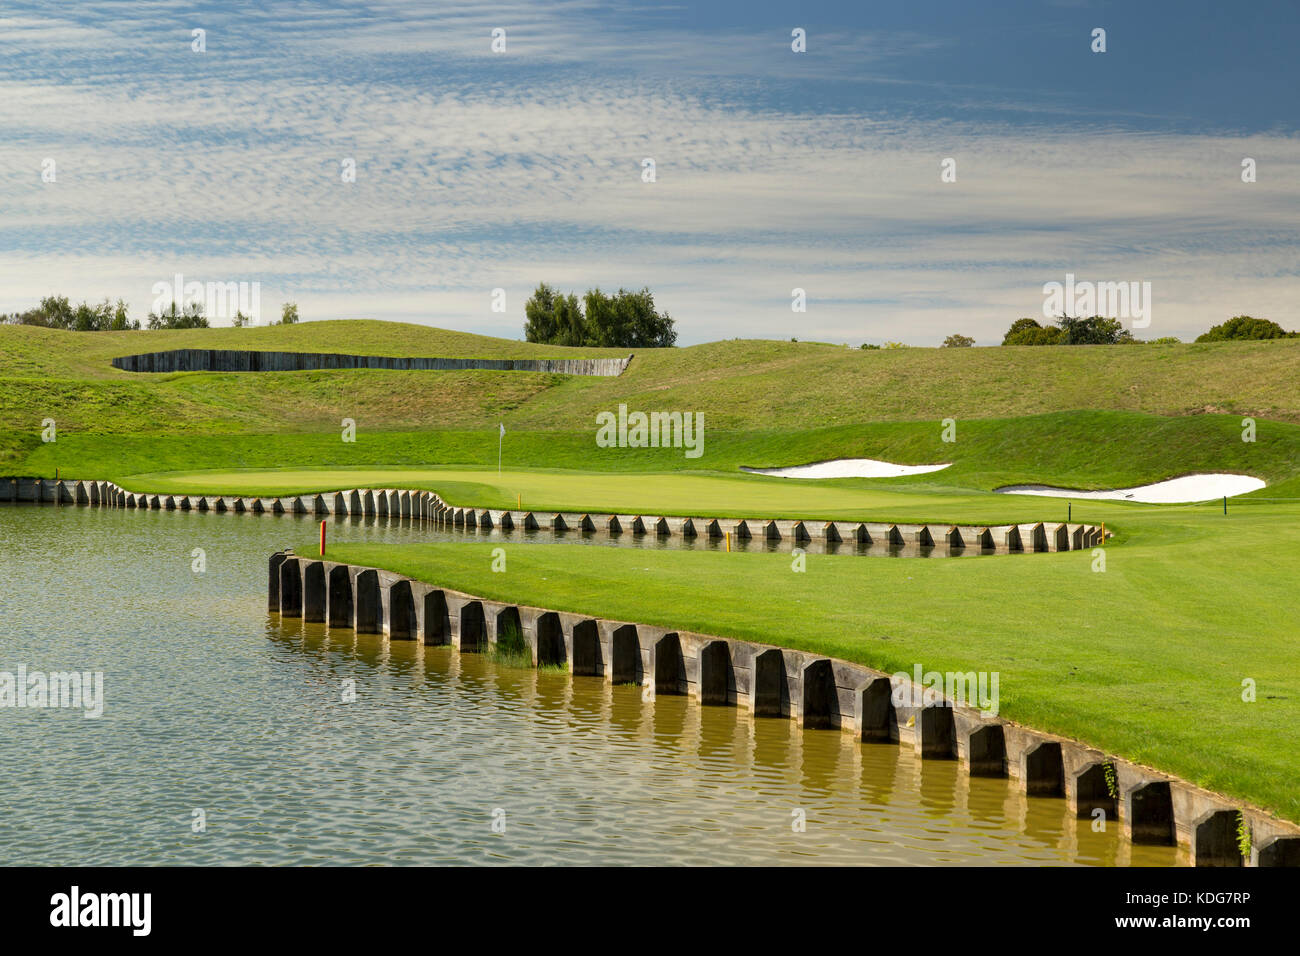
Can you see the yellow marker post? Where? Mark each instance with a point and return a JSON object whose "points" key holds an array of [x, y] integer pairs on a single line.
{"points": [[728, 542]]}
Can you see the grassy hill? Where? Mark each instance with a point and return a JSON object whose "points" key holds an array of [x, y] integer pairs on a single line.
{"points": [[763, 403]]}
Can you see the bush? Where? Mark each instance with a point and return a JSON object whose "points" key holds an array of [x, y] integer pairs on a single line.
{"points": [[1246, 327], [955, 341]]}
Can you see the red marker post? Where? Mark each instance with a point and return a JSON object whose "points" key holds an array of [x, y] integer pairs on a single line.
{"points": [[322, 539]]}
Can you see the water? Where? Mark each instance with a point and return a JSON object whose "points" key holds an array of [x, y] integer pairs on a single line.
{"points": [[213, 705]]}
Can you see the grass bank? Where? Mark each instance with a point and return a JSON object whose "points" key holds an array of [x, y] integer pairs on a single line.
{"points": [[567, 471], [1144, 660]]}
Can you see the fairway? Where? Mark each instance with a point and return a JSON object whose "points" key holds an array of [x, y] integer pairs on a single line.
{"points": [[1146, 659]]}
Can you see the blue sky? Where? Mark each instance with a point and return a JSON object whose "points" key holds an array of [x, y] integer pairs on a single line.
{"points": [[775, 170]]}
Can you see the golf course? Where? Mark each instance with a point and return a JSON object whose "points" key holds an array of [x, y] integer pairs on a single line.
{"points": [[1144, 649]]}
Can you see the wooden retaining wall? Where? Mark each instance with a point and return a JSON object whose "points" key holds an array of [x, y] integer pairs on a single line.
{"points": [[228, 360]]}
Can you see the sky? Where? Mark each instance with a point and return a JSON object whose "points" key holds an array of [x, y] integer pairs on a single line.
{"points": [[128, 156]]}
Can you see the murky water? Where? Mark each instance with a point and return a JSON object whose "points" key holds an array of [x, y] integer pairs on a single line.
{"points": [[213, 707]]}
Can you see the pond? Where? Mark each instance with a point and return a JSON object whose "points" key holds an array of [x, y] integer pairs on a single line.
{"points": [[216, 712]]}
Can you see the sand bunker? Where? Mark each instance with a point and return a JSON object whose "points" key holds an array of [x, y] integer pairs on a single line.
{"points": [[1174, 491], [847, 468]]}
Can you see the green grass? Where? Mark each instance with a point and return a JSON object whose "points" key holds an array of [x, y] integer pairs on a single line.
{"points": [[1145, 660], [739, 386], [1089, 450], [1075, 449], [510, 649], [685, 494]]}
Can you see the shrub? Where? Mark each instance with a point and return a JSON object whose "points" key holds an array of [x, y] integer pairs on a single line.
{"points": [[1246, 327]]}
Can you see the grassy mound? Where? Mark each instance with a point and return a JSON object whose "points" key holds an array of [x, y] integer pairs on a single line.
{"points": [[764, 395]]}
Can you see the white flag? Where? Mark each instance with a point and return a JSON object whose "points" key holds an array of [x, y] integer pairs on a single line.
{"points": [[503, 430]]}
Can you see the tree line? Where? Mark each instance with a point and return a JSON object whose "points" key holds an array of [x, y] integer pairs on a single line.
{"points": [[1099, 330], [57, 312]]}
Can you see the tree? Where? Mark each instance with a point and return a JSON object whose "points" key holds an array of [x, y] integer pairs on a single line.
{"points": [[121, 319], [164, 320], [622, 320], [604, 324], [191, 317], [1029, 332], [1018, 329], [1047, 335], [955, 341], [289, 313], [240, 320], [1246, 327], [57, 311], [1094, 330], [92, 318], [647, 327], [570, 325], [539, 315]]}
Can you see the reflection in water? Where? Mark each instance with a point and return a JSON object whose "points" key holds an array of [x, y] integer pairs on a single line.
{"points": [[680, 773], [213, 704]]}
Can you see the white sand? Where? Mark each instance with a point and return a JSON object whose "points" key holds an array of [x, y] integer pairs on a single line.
{"points": [[1174, 491], [847, 468]]}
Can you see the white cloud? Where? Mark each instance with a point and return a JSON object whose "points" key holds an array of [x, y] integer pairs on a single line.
{"points": [[497, 172]]}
